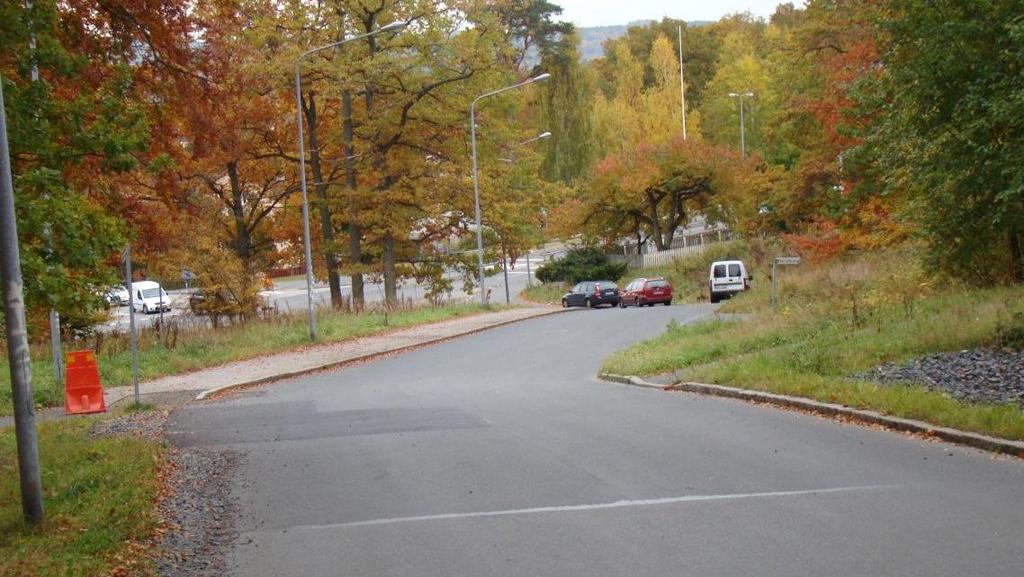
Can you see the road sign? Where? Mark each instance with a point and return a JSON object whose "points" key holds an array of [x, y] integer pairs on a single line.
{"points": [[784, 261]]}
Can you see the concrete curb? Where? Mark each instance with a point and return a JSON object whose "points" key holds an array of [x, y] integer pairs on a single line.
{"points": [[976, 440], [209, 393]]}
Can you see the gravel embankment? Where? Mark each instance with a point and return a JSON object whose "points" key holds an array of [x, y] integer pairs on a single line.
{"points": [[196, 513], [978, 375]]}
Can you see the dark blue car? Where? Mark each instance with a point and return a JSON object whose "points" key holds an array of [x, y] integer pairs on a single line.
{"points": [[592, 294]]}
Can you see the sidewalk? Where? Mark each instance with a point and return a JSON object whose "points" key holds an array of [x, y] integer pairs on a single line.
{"points": [[316, 357]]}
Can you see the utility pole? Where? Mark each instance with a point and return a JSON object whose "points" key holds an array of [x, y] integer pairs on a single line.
{"points": [[133, 339], [17, 339], [682, 83], [743, 139]]}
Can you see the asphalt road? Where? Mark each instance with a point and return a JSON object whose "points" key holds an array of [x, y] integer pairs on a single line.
{"points": [[501, 455]]}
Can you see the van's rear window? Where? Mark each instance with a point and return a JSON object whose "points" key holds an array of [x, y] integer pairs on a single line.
{"points": [[719, 271], [734, 270]]}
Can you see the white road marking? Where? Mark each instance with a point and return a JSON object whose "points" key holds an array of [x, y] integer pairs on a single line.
{"points": [[594, 507]]}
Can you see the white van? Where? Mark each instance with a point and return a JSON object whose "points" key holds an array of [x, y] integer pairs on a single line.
{"points": [[727, 277], [149, 297]]}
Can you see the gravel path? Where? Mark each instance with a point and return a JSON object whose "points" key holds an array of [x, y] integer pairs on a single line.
{"points": [[978, 375], [195, 511]]}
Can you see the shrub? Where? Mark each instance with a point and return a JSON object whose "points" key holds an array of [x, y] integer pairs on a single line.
{"points": [[580, 264]]}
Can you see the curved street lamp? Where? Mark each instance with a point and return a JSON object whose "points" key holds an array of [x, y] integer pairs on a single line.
{"points": [[476, 185], [302, 162]]}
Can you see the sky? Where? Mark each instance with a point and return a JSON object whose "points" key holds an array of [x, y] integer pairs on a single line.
{"points": [[610, 12]]}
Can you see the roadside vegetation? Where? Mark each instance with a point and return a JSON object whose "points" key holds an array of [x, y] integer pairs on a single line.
{"points": [[545, 293], [181, 349], [837, 319], [99, 495]]}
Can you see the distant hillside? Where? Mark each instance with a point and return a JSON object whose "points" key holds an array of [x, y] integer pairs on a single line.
{"points": [[592, 38]]}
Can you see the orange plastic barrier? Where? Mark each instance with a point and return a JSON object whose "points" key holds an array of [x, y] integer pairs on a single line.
{"points": [[83, 392]]}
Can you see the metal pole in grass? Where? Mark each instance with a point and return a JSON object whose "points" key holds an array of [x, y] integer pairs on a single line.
{"points": [[127, 256], [17, 339]]}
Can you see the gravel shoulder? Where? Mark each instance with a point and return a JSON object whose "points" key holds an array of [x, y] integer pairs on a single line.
{"points": [[195, 513], [976, 376]]}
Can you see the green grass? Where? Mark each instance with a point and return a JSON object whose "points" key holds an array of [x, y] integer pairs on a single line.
{"points": [[545, 293], [99, 498], [834, 321], [200, 348]]}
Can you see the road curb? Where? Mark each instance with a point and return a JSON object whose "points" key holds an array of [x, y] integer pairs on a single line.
{"points": [[216, 391], [976, 440]]}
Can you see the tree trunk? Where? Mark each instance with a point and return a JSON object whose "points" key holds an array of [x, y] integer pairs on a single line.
{"points": [[390, 284], [243, 243], [355, 248], [320, 187], [355, 232], [1016, 255]]}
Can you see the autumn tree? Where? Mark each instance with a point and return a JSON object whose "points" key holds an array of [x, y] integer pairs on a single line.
{"points": [[77, 76]]}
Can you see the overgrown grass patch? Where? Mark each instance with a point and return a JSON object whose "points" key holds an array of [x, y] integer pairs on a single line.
{"points": [[545, 293], [99, 500], [838, 320], [197, 348]]}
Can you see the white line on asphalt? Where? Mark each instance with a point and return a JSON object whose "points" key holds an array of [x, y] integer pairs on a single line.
{"points": [[595, 506]]}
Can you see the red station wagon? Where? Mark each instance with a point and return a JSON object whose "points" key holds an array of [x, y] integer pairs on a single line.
{"points": [[646, 291]]}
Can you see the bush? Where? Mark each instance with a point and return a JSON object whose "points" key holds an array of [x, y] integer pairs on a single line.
{"points": [[580, 264]]}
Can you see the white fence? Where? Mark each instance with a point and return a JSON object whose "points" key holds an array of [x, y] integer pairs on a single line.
{"points": [[691, 244]]}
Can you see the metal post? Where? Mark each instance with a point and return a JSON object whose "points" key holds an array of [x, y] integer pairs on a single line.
{"points": [[305, 203], [132, 338], [476, 206], [743, 140], [682, 84], [55, 349], [504, 269], [773, 284], [529, 278], [17, 339]]}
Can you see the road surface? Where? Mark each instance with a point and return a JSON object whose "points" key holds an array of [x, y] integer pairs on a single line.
{"points": [[501, 455]]}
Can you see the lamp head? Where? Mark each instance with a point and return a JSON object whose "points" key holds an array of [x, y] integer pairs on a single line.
{"points": [[396, 25], [543, 135], [540, 77]]}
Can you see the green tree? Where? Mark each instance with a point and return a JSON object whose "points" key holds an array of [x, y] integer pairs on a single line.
{"points": [[75, 102], [948, 134]]}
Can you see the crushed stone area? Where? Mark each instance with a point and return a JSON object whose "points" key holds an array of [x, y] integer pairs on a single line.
{"points": [[148, 424], [977, 375], [198, 516], [196, 513]]}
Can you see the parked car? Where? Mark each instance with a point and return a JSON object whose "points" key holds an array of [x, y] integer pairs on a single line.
{"points": [[726, 278], [592, 294], [150, 297], [116, 296], [646, 292]]}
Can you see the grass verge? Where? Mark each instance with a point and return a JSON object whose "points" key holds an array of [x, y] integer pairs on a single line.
{"points": [[99, 495], [835, 321], [197, 348], [546, 293]]}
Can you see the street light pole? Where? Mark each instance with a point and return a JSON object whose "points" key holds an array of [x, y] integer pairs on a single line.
{"points": [[504, 263], [476, 184], [743, 140], [16, 332], [682, 84], [302, 164]]}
